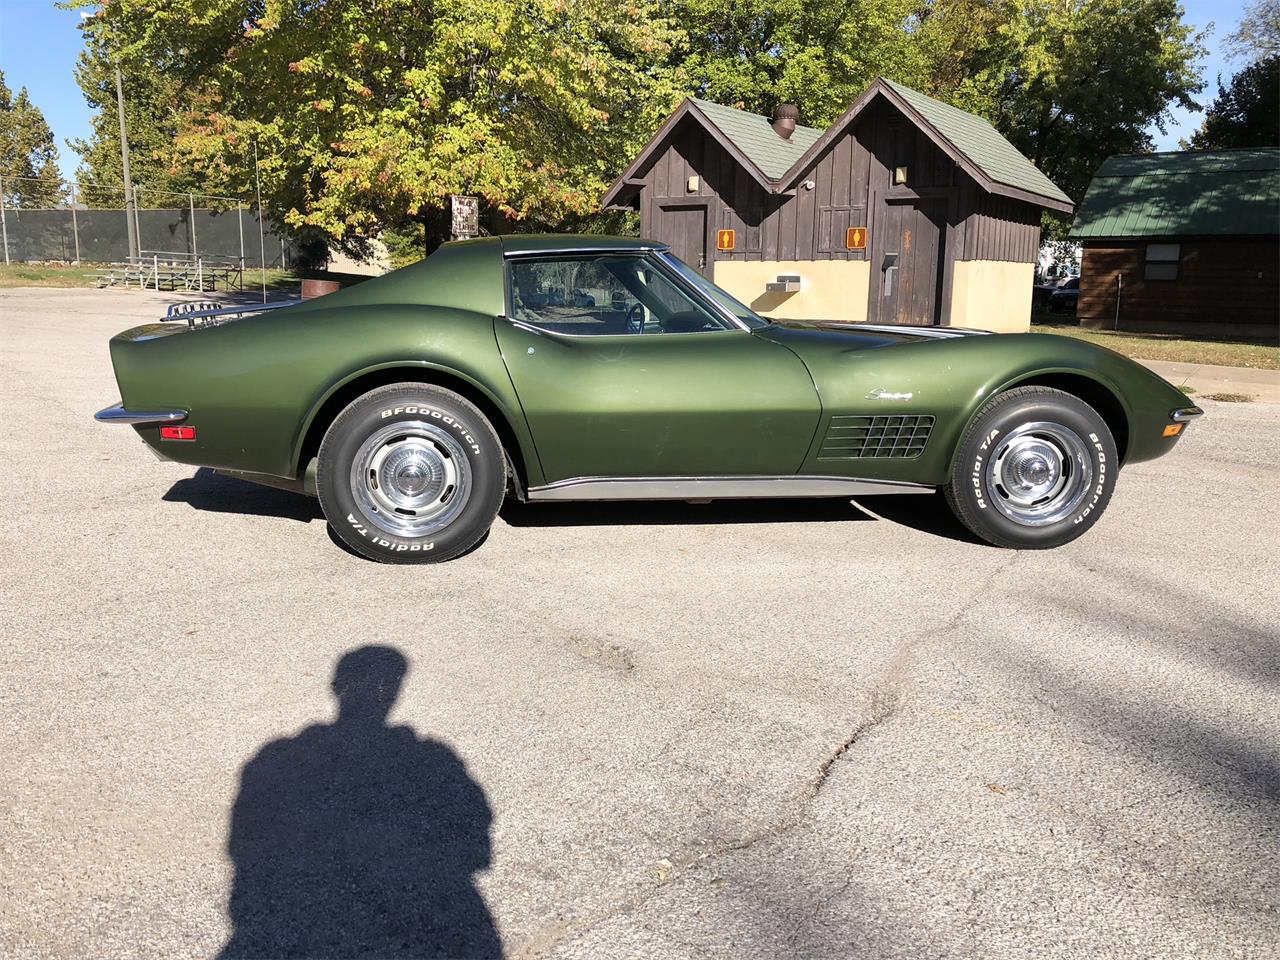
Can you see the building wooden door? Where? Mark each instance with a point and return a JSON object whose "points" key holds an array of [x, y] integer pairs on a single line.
{"points": [[685, 227], [906, 263]]}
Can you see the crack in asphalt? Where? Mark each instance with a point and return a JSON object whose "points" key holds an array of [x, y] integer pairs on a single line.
{"points": [[884, 702]]}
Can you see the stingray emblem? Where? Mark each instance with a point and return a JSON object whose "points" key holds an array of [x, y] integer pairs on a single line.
{"points": [[888, 395]]}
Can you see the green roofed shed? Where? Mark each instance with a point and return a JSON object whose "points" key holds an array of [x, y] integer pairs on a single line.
{"points": [[1213, 193], [1185, 242]]}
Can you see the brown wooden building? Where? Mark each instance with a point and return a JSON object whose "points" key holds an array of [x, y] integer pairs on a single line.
{"points": [[1185, 243], [905, 210]]}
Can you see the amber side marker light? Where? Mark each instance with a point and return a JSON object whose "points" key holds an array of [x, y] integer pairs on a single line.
{"points": [[1173, 429], [177, 433]]}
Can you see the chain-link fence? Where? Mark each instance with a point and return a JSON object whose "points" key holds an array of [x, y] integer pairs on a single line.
{"points": [[45, 220]]}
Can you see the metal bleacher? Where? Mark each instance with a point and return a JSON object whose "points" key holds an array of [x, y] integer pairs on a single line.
{"points": [[168, 270]]}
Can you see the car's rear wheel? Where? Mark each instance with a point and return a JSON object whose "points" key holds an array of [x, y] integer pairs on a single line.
{"points": [[411, 473], [1035, 469]]}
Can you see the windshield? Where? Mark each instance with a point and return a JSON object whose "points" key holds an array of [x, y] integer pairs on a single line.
{"points": [[738, 309]]}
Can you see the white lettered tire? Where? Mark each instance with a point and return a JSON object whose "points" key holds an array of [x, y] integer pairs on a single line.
{"points": [[411, 473], [1035, 469]]}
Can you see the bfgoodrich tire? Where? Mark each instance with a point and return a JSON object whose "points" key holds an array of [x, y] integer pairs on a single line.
{"points": [[411, 473], [1035, 469]]}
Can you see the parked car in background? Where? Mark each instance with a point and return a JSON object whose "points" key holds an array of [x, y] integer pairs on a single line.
{"points": [[1065, 296], [413, 403]]}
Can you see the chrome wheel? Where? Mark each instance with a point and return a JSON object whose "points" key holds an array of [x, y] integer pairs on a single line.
{"points": [[411, 478], [1039, 473]]}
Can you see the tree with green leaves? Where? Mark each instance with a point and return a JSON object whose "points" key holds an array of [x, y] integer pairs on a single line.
{"points": [[818, 54], [367, 115], [1078, 81], [28, 155], [1069, 82], [1257, 36], [1246, 113], [152, 112]]}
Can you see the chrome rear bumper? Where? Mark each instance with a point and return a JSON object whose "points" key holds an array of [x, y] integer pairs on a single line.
{"points": [[118, 414]]}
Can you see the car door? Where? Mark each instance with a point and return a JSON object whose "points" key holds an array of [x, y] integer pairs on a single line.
{"points": [[623, 371]]}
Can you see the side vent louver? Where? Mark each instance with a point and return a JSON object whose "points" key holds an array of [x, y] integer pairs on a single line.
{"points": [[853, 438]]}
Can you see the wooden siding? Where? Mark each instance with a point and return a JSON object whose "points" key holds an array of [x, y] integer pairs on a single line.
{"points": [[1225, 287], [1002, 229], [852, 185]]}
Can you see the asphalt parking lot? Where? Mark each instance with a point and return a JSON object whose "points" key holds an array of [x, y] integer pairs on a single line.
{"points": [[730, 730]]}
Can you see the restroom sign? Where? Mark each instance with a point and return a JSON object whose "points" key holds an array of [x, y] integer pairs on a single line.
{"points": [[855, 238], [725, 239]]}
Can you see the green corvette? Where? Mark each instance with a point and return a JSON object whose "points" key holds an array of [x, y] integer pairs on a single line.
{"points": [[587, 368]]}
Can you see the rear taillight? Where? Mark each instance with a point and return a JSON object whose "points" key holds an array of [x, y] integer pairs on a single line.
{"points": [[177, 433]]}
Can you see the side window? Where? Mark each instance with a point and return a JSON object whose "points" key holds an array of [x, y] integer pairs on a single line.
{"points": [[1162, 261], [603, 295]]}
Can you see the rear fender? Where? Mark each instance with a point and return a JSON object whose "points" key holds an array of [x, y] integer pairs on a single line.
{"points": [[498, 405], [254, 387]]}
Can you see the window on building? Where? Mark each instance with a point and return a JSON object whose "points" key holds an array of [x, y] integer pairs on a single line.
{"points": [[1162, 261]]}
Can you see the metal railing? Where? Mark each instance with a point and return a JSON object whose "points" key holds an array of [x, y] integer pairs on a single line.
{"points": [[167, 270]]}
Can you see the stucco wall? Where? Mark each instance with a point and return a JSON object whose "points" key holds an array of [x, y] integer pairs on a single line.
{"points": [[992, 295], [829, 289]]}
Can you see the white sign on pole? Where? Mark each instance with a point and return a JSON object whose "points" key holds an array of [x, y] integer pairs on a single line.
{"points": [[466, 216]]}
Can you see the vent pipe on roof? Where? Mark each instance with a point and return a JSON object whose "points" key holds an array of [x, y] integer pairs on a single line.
{"points": [[784, 120]]}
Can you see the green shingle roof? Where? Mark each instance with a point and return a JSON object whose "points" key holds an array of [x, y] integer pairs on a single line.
{"points": [[1211, 193], [981, 143], [755, 137], [972, 142]]}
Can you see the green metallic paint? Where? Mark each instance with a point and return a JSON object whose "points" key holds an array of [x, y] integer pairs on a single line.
{"points": [[951, 379], [723, 403], [252, 387]]}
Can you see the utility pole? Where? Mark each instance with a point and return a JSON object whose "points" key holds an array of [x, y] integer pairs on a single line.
{"points": [[4, 227], [262, 248], [130, 206]]}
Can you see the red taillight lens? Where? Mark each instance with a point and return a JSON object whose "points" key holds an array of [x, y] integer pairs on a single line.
{"points": [[177, 433]]}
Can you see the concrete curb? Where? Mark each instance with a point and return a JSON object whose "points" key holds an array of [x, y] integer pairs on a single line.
{"points": [[1262, 385]]}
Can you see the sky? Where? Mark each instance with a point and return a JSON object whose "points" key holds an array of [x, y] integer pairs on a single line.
{"points": [[39, 44]]}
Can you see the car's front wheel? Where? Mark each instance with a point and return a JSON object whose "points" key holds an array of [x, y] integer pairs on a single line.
{"points": [[1035, 469], [411, 473]]}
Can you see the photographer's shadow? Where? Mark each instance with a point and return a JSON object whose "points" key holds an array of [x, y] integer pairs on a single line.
{"points": [[358, 839]]}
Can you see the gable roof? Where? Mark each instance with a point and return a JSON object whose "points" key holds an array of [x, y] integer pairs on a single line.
{"points": [[978, 140], [777, 164], [749, 128], [970, 141], [1187, 193], [754, 135]]}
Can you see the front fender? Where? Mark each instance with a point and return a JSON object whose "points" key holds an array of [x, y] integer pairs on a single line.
{"points": [[952, 379], [1145, 399]]}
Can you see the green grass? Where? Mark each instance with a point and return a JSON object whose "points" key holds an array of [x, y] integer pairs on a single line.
{"points": [[46, 275], [1256, 355]]}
